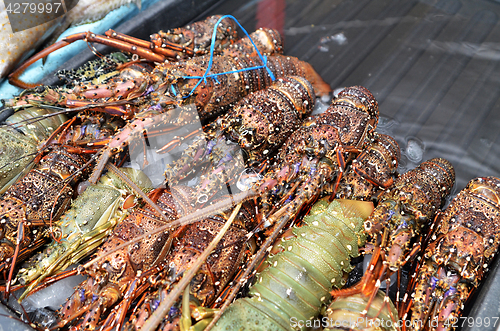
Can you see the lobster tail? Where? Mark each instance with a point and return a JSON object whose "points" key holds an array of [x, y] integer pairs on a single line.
{"points": [[359, 97], [42, 195], [346, 313], [444, 173], [267, 41], [435, 179]]}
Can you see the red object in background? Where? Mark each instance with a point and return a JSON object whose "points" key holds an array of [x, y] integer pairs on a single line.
{"points": [[271, 14]]}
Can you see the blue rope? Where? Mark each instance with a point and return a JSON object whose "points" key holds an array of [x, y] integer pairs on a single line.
{"points": [[212, 47]]}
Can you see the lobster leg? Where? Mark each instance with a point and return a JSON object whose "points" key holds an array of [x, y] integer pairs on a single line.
{"points": [[375, 182], [341, 166], [20, 238], [108, 108], [367, 284], [127, 134], [393, 315], [24, 253], [176, 142], [61, 129], [133, 292], [165, 306], [308, 189], [374, 290], [48, 281]]}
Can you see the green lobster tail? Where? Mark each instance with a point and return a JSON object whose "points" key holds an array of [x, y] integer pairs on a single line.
{"points": [[298, 279], [248, 315], [345, 313]]}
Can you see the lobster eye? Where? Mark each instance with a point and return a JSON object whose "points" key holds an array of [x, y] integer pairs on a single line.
{"points": [[450, 271], [247, 134]]}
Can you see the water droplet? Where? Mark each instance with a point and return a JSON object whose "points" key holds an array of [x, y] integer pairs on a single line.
{"points": [[414, 149], [487, 142], [386, 122], [323, 48], [247, 178]]}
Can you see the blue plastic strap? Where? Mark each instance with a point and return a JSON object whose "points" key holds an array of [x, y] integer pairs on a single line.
{"points": [[212, 48]]}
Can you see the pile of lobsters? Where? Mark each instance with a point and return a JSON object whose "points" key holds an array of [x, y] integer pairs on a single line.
{"points": [[261, 211]]}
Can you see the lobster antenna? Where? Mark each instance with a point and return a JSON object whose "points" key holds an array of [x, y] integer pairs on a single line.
{"points": [[29, 323], [185, 220], [137, 190], [162, 310], [41, 117], [89, 106], [257, 258], [20, 158]]}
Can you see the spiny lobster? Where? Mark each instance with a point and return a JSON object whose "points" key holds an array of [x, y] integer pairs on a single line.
{"points": [[172, 84], [310, 161], [348, 103], [313, 159], [399, 217], [28, 206], [119, 277], [251, 132], [213, 276], [131, 79], [30, 129], [457, 257], [293, 96], [301, 269], [43, 193], [194, 39], [95, 71], [84, 227], [110, 279]]}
